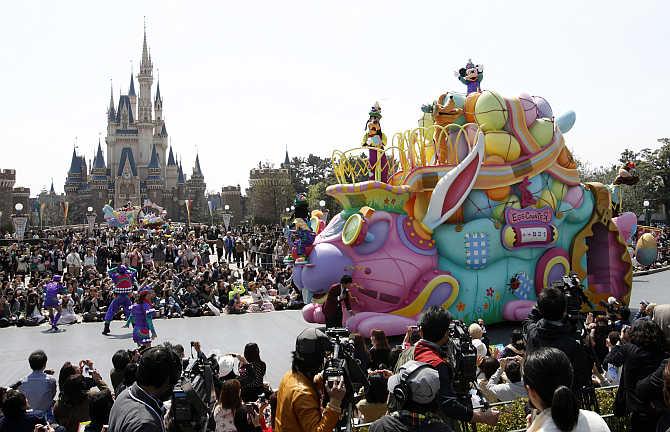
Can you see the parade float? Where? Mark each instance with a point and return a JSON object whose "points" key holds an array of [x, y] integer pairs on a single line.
{"points": [[150, 215], [476, 211]]}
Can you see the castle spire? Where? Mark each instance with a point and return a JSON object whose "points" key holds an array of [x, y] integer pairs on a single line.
{"points": [[158, 100], [146, 57], [131, 91], [196, 169], [99, 159], [171, 161], [153, 163], [111, 112]]}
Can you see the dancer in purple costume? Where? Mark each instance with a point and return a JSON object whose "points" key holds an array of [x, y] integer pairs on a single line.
{"points": [[123, 278], [51, 301], [141, 316]]}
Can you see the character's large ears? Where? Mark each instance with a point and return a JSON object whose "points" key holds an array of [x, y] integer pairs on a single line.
{"points": [[454, 187], [462, 71]]}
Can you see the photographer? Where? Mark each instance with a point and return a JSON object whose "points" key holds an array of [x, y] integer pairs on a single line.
{"points": [[298, 402], [139, 408], [415, 387], [434, 329], [547, 326]]}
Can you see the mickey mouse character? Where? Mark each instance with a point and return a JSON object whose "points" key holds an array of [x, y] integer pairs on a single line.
{"points": [[471, 75]]}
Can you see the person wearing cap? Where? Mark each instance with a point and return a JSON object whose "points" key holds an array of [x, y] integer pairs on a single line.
{"points": [[642, 312], [416, 388], [298, 402], [337, 294], [434, 330]]}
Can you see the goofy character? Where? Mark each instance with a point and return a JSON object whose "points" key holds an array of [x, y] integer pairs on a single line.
{"points": [[141, 316], [51, 301], [376, 140], [123, 278]]}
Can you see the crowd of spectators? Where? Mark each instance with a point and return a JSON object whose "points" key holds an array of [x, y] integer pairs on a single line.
{"points": [[197, 270]]}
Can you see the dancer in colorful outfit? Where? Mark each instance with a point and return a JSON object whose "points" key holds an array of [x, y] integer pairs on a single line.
{"points": [[51, 301], [123, 278], [375, 139], [141, 316]]}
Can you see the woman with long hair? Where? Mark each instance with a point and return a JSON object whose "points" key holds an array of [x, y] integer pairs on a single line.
{"points": [[229, 413], [548, 377], [380, 351], [253, 373], [361, 350]]}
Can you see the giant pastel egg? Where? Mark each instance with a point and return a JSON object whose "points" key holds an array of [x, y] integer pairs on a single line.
{"points": [[490, 111], [542, 130], [558, 189], [547, 199], [499, 210], [529, 108], [575, 196], [646, 249], [543, 107], [500, 143], [469, 109]]}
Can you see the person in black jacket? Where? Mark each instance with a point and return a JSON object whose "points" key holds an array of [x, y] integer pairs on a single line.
{"points": [[640, 392], [547, 326]]}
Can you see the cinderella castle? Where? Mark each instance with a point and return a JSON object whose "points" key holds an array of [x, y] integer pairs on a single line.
{"points": [[137, 165]]}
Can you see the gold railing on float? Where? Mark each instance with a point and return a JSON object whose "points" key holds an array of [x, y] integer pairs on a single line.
{"points": [[414, 148]]}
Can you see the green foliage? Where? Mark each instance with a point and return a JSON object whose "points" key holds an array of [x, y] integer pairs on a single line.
{"points": [[653, 167]]}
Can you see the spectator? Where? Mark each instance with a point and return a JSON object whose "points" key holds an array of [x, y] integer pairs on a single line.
{"points": [[298, 406], [557, 408], [613, 373], [434, 328], [253, 385], [373, 406], [476, 334], [640, 358], [547, 327], [642, 311], [416, 387], [380, 350], [229, 413], [39, 387], [139, 408], [516, 347], [361, 352], [487, 367], [120, 360], [511, 390], [16, 418], [99, 407], [72, 406]]}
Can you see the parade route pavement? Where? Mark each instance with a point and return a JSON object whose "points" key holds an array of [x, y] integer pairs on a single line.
{"points": [[274, 332]]}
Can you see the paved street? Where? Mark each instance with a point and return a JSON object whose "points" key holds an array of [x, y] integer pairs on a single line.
{"points": [[274, 332]]}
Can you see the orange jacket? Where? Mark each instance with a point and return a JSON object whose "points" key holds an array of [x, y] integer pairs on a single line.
{"points": [[298, 408]]}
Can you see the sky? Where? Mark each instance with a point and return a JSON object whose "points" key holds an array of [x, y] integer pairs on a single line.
{"points": [[242, 81]]}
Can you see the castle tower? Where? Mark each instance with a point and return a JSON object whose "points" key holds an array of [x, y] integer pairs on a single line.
{"points": [[154, 182], [127, 181], [145, 122], [131, 93], [171, 171]]}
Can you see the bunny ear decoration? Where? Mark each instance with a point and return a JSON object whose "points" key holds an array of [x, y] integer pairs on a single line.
{"points": [[454, 187]]}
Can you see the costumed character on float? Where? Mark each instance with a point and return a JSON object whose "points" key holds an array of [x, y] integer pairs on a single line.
{"points": [[375, 140], [51, 301], [152, 215], [495, 216], [141, 317], [124, 279]]}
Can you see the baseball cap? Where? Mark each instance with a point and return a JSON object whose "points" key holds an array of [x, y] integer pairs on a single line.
{"points": [[644, 302], [312, 342], [423, 381], [226, 365]]}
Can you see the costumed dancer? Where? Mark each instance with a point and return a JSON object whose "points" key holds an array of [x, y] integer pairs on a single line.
{"points": [[303, 240], [123, 278], [141, 316], [376, 140], [51, 300]]}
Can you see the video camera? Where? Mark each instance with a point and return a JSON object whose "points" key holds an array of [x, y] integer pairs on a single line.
{"points": [[343, 366], [191, 396], [464, 357], [573, 290]]}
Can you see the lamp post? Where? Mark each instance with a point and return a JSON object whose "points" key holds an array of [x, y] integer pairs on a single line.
{"points": [[19, 220], [90, 218], [647, 212], [227, 216]]}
